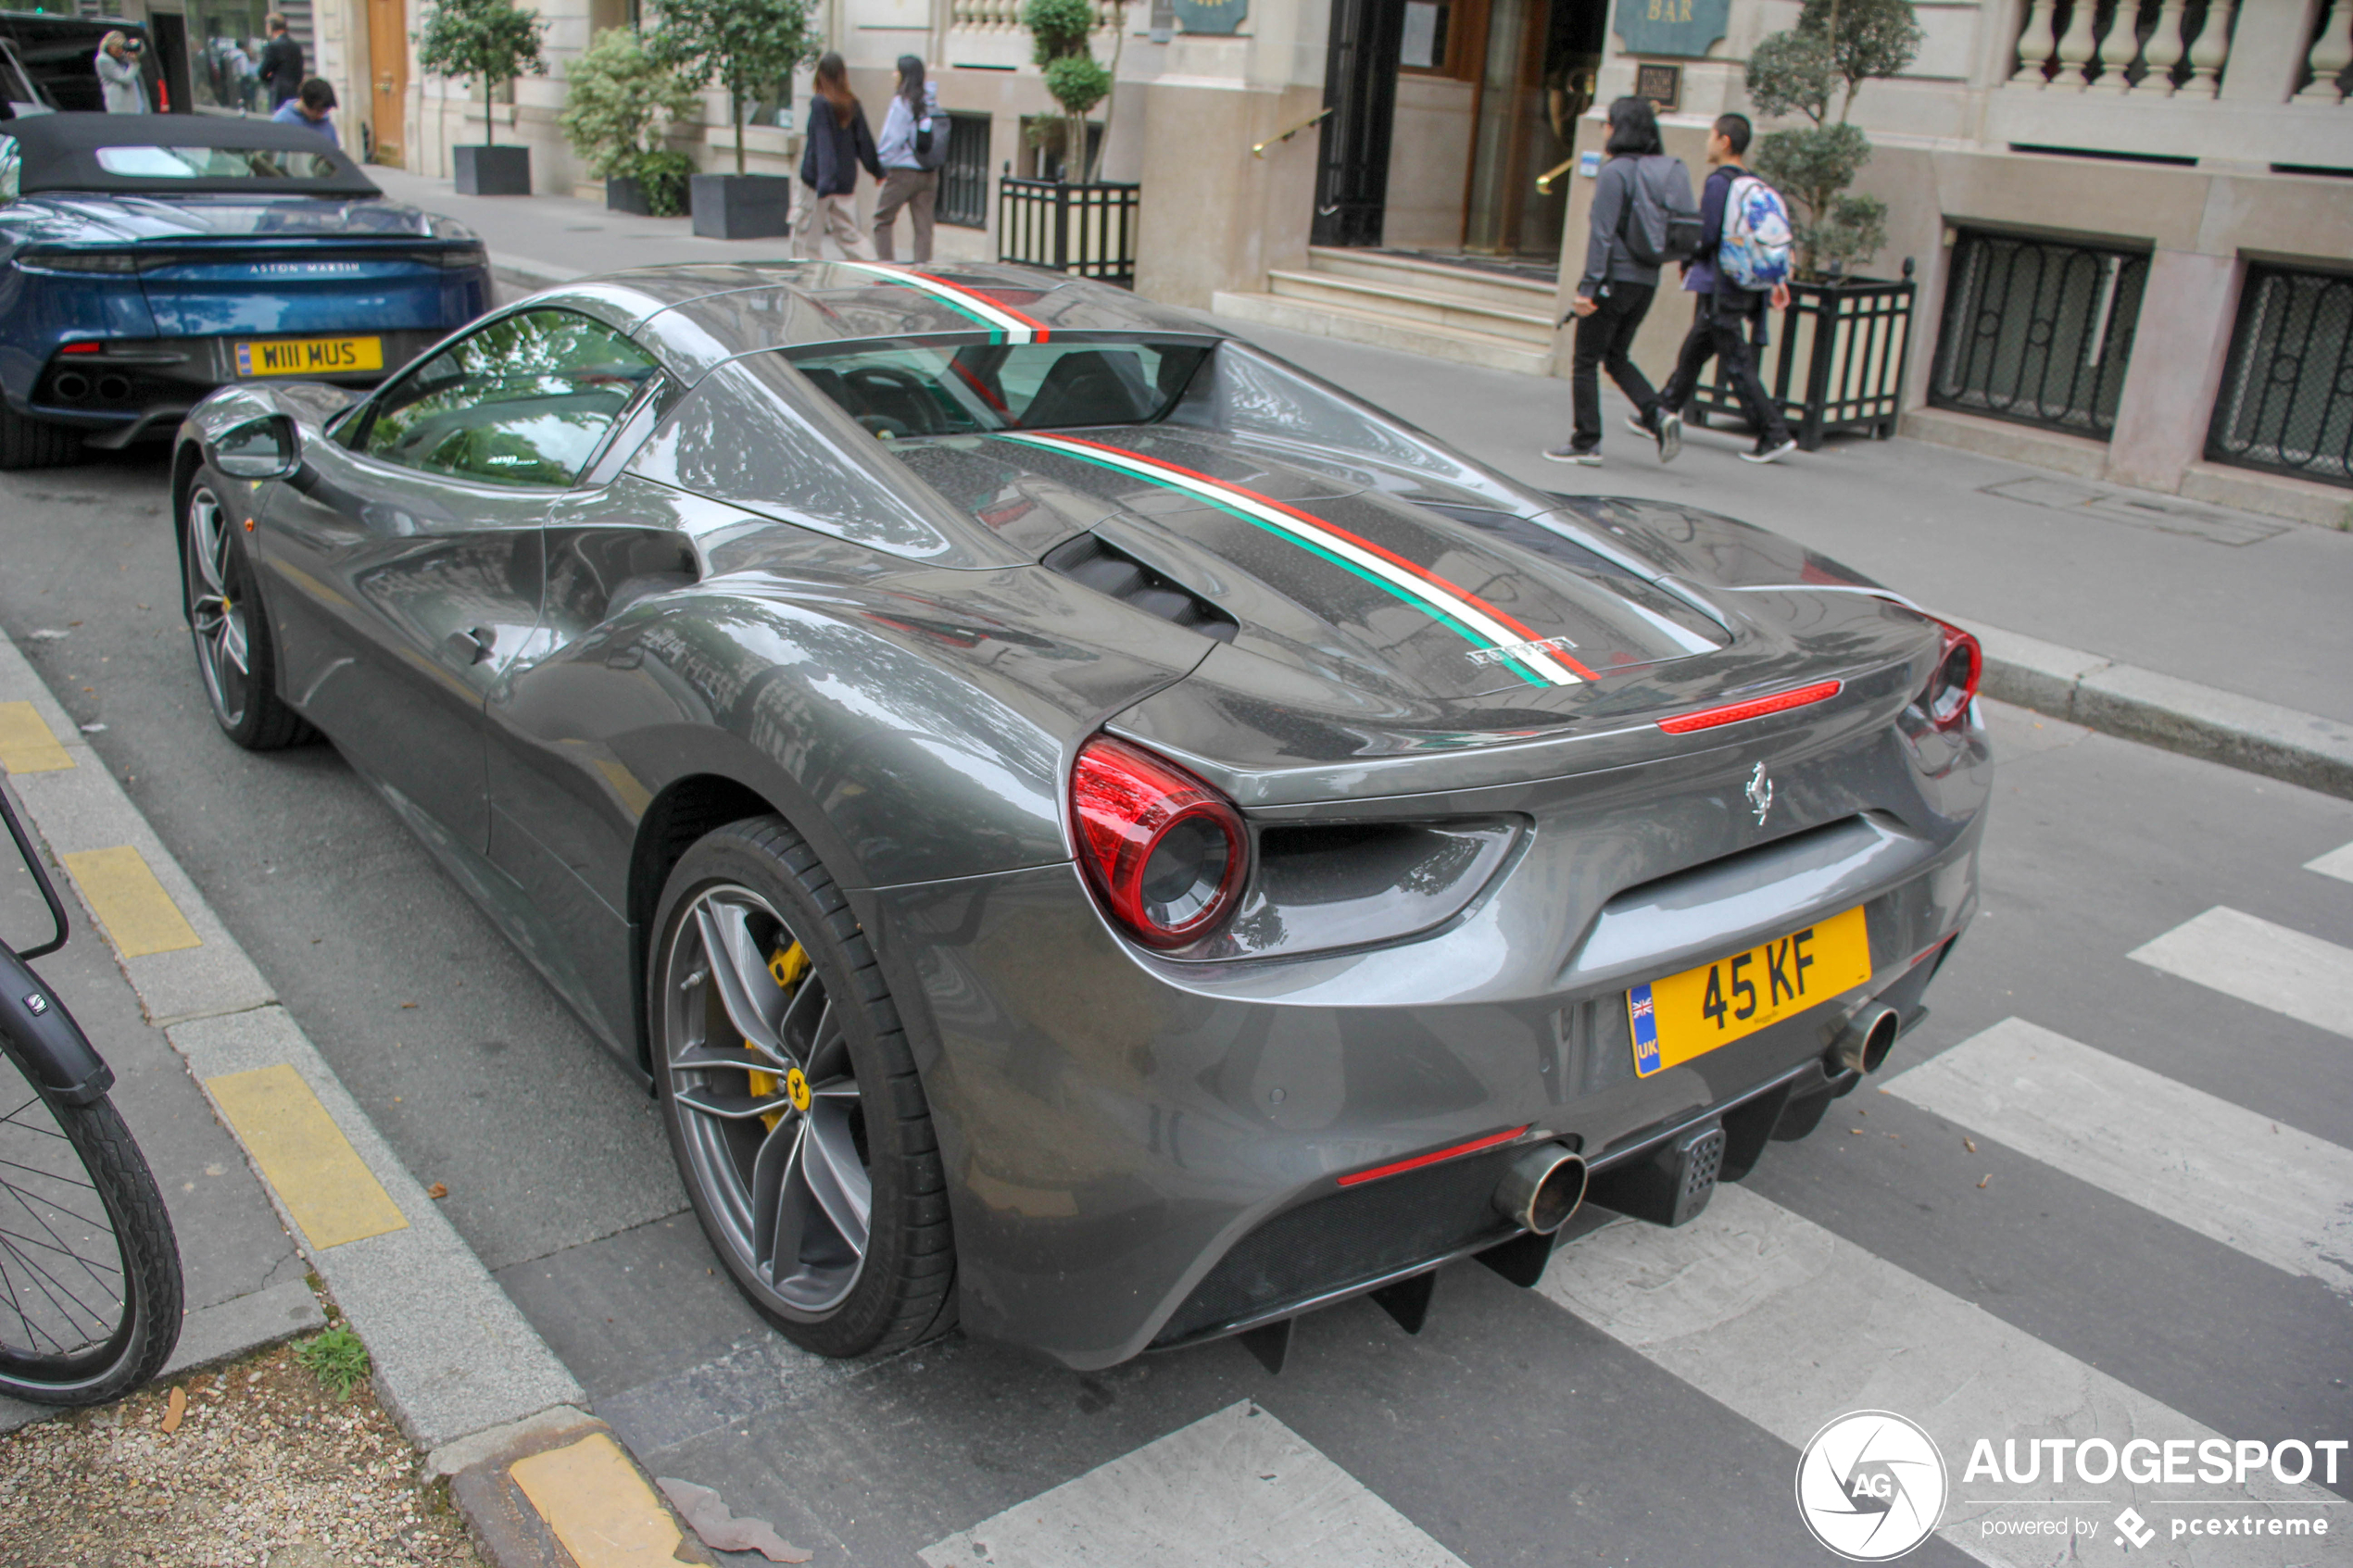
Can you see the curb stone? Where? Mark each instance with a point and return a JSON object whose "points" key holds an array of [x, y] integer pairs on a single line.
{"points": [[458, 1366], [2165, 710], [514, 1533]]}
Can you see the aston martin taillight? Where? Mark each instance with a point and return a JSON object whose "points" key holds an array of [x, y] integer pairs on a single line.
{"points": [[1165, 852], [1959, 662]]}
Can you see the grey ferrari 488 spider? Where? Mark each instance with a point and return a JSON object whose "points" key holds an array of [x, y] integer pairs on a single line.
{"points": [[1091, 831]]}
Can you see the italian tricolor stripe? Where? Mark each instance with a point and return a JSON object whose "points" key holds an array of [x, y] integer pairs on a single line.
{"points": [[1480, 623], [1008, 324]]}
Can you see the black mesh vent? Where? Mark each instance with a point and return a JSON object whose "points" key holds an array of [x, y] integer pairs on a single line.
{"points": [[1089, 562], [1356, 1234]]}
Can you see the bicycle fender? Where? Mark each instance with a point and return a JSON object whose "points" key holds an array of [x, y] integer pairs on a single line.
{"points": [[45, 1040]]}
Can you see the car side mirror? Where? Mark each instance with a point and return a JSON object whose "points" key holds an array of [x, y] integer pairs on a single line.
{"points": [[263, 448]]}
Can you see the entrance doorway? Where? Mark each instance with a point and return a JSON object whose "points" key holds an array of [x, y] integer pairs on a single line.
{"points": [[388, 69], [1444, 113]]}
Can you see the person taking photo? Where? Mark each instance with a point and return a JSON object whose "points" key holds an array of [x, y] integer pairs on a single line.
{"points": [[1726, 311], [120, 88]]}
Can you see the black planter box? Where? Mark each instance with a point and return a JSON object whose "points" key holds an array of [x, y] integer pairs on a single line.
{"points": [[1843, 353], [493, 172], [740, 207], [627, 196]]}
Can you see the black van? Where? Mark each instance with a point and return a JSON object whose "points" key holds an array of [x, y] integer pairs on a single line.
{"points": [[52, 56]]}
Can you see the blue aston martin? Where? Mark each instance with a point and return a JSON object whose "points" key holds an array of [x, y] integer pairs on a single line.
{"points": [[147, 259]]}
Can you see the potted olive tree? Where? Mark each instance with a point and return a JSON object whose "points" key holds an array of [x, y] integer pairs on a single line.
{"points": [[1846, 340], [619, 101], [492, 41], [1076, 222], [749, 47]]}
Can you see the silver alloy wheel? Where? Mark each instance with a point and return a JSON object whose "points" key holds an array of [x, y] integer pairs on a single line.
{"points": [[216, 616], [766, 1098]]}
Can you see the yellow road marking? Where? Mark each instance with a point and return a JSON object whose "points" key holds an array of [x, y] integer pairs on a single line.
{"points": [[319, 1177], [598, 1506], [138, 914], [26, 744]]}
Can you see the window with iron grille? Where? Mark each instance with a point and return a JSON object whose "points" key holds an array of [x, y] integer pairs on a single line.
{"points": [[2286, 402], [963, 179], [2038, 330]]}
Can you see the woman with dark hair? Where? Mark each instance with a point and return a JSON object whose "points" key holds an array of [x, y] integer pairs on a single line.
{"points": [[913, 145], [839, 142], [1614, 293]]}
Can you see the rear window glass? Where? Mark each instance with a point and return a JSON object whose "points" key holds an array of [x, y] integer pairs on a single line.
{"points": [[215, 163], [916, 390]]}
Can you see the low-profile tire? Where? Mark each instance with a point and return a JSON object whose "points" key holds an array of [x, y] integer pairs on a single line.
{"points": [[236, 660], [791, 1097], [27, 442]]}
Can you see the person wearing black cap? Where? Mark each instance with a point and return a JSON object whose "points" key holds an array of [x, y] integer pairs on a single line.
{"points": [[912, 145]]}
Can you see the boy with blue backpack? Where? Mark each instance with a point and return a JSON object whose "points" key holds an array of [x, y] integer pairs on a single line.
{"points": [[1744, 260]]}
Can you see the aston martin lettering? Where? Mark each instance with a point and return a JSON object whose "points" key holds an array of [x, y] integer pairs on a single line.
{"points": [[1518, 650]]}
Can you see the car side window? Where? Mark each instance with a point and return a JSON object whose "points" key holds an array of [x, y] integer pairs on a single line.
{"points": [[9, 168], [525, 402]]}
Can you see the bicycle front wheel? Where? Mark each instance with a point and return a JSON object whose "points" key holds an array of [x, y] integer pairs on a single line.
{"points": [[90, 1289]]}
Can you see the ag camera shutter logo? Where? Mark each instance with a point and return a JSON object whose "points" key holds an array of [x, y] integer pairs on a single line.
{"points": [[1870, 1486]]}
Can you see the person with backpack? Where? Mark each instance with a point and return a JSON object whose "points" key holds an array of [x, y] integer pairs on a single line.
{"points": [[1744, 260], [913, 145], [1643, 217], [838, 144]]}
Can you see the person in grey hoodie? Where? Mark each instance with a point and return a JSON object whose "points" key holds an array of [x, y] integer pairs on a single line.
{"points": [[1615, 294], [118, 66], [912, 133]]}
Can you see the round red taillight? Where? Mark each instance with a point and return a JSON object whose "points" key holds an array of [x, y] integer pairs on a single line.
{"points": [[1164, 851], [1953, 686]]}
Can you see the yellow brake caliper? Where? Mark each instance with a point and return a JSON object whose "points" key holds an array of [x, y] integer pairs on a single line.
{"points": [[787, 964]]}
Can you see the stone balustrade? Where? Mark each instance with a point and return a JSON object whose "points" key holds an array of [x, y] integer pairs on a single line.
{"points": [[2165, 48], [1005, 16]]}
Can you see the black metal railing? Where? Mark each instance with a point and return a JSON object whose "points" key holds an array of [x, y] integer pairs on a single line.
{"points": [[2286, 402], [963, 179], [2038, 330], [1088, 229], [1839, 363]]}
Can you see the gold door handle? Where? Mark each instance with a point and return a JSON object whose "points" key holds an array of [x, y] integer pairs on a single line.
{"points": [[1544, 180]]}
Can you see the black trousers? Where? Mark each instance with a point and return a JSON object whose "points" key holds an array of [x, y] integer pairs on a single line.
{"points": [[1603, 340], [1720, 331]]}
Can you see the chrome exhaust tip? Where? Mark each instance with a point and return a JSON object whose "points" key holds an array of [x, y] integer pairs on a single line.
{"points": [[1863, 1044], [72, 386], [1542, 1189]]}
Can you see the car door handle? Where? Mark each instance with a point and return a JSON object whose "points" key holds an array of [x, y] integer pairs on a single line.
{"points": [[472, 646]]}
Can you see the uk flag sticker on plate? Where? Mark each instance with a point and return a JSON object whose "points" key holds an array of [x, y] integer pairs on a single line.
{"points": [[1642, 1014]]}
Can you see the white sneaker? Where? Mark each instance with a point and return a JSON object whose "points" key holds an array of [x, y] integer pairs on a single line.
{"points": [[1770, 454], [1670, 436]]}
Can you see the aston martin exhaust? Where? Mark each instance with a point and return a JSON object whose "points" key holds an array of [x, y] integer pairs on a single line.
{"points": [[1542, 1189], [1865, 1040]]}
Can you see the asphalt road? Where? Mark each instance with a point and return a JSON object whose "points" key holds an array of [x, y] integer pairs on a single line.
{"points": [[1559, 1425]]}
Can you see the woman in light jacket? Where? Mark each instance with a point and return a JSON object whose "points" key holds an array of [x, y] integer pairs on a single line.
{"points": [[119, 84], [910, 174], [839, 142]]}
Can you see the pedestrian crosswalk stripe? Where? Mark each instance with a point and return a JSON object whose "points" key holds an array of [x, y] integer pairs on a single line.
{"points": [[2337, 863], [1790, 1325], [1237, 1489], [2250, 1183], [2257, 961]]}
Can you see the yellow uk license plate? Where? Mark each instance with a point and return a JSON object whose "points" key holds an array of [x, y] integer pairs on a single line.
{"points": [[1690, 1015], [310, 355]]}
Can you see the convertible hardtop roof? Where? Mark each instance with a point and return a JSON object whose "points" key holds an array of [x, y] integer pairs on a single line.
{"points": [[59, 152], [704, 313]]}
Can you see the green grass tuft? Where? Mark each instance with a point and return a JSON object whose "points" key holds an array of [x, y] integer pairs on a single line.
{"points": [[336, 1358]]}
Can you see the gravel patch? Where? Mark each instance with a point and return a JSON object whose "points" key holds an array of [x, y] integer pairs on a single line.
{"points": [[265, 1469]]}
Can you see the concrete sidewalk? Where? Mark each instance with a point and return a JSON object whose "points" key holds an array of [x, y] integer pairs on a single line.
{"points": [[2218, 632]]}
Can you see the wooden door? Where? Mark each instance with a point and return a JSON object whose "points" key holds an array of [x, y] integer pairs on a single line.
{"points": [[388, 60]]}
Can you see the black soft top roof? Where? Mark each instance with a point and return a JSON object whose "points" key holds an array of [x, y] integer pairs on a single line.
{"points": [[59, 152]]}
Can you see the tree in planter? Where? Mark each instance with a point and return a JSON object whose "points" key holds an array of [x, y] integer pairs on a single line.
{"points": [[1836, 47], [750, 45], [1059, 32], [618, 101], [489, 39]]}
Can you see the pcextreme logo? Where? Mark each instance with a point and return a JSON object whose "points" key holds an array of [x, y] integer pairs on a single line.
{"points": [[1870, 1486]]}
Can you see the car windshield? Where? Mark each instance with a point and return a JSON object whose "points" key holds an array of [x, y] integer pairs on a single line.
{"points": [[914, 390], [215, 163]]}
